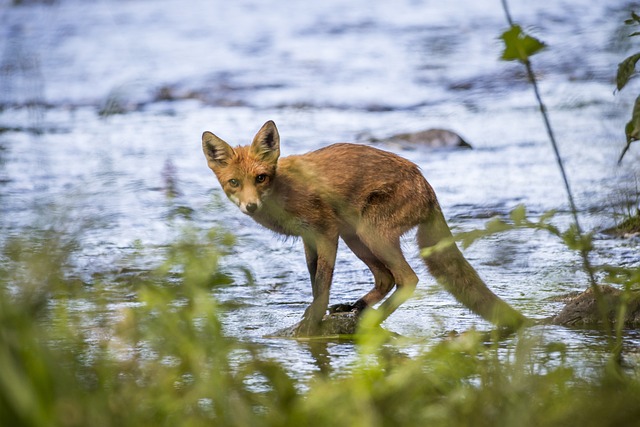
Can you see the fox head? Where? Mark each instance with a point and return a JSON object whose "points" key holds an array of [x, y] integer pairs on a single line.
{"points": [[245, 173]]}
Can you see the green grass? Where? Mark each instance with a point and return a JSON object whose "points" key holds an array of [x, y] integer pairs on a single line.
{"points": [[69, 358]]}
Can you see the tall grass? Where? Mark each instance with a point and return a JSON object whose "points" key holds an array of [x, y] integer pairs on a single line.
{"points": [[150, 350]]}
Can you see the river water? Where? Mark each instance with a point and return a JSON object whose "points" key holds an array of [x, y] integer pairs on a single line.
{"points": [[103, 104]]}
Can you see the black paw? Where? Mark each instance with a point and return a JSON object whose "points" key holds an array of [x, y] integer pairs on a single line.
{"points": [[340, 308], [356, 307]]}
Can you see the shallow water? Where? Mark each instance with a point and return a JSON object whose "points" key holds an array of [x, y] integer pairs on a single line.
{"points": [[103, 105]]}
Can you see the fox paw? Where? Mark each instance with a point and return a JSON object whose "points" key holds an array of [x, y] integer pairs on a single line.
{"points": [[307, 328], [356, 307]]}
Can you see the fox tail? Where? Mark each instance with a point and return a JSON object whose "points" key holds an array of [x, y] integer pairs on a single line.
{"points": [[453, 271]]}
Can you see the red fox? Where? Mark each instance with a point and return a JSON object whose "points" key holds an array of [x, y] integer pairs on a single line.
{"points": [[366, 196]]}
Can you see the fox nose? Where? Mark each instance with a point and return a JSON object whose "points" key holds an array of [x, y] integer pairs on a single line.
{"points": [[252, 207]]}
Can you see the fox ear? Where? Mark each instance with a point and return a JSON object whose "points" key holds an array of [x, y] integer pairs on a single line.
{"points": [[266, 143], [216, 150]]}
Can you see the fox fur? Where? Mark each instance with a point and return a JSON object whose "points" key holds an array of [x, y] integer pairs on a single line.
{"points": [[364, 195]]}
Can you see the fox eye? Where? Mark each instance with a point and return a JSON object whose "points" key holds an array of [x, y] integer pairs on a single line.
{"points": [[234, 182], [261, 178]]}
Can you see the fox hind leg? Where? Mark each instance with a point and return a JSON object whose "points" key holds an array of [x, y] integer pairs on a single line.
{"points": [[383, 278], [386, 249]]}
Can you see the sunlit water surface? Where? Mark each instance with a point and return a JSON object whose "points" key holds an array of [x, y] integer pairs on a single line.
{"points": [[162, 72]]}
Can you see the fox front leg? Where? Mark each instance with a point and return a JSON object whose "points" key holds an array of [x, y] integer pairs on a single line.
{"points": [[321, 258]]}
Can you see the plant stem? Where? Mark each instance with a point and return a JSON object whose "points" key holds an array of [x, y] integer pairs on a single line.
{"points": [[584, 252], [572, 205]]}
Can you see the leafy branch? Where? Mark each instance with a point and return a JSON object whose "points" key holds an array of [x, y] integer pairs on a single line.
{"points": [[518, 219], [626, 70]]}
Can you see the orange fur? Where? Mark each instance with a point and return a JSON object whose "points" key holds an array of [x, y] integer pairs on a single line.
{"points": [[367, 197]]}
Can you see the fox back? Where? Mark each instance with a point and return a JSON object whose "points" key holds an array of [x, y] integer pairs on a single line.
{"points": [[341, 183]]}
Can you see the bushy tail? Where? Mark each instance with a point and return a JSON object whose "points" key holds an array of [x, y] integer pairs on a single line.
{"points": [[453, 271]]}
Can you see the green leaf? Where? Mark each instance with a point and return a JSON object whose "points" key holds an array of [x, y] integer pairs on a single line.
{"points": [[632, 129], [635, 19], [519, 215], [547, 215], [468, 238], [496, 225], [626, 69], [438, 247], [519, 46], [574, 240]]}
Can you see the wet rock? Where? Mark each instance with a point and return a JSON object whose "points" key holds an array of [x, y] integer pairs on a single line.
{"points": [[630, 227], [583, 310], [332, 324], [430, 138]]}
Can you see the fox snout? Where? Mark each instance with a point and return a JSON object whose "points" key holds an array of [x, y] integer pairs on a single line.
{"points": [[248, 201], [251, 207]]}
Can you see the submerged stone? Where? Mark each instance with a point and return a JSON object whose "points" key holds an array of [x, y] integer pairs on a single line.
{"points": [[630, 227], [430, 138], [332, 324], [583, 310]]}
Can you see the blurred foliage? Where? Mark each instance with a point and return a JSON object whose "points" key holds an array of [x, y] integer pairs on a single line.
{"points": [[68, 357], [627, 277], [72, 355], [519, 219]]}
